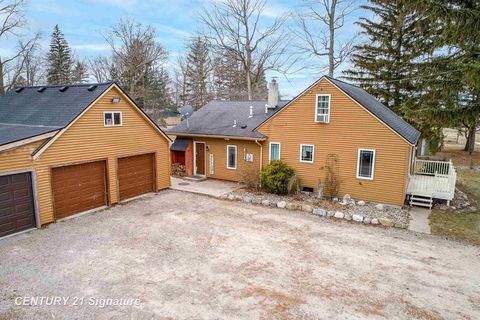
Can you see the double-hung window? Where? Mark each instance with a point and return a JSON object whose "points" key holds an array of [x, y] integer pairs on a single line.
{"points": [[112, 118], [306, 153], [274, 151], [322, 108], [365, 164], [231, 157]]}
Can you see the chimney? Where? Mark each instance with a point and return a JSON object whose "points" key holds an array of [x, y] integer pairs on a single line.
{"points": [[251, 112], [273, 94]]}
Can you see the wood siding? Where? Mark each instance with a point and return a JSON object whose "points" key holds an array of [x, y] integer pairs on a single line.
{"points": [[218, 147], [351, 127], [88, 140]]}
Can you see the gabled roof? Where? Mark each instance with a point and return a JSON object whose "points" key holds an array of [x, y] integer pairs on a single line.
{"points": [[30, 111], [217, 119], [387, 116]]}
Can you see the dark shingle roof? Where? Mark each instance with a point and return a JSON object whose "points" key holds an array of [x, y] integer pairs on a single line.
{"points": [[180, 144], [217, 118], [27, 112], [382, 112]]}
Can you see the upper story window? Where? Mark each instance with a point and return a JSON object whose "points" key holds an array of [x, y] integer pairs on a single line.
{"points": [[306, 153], [365, 164], [112, 118], [231, 157], [274, 151], [322, 108]]}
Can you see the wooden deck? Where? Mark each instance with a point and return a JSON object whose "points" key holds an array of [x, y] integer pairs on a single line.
{"points": [[434, 179]]}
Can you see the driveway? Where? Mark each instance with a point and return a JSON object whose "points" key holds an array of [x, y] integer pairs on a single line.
{"points": [[187, 256]]}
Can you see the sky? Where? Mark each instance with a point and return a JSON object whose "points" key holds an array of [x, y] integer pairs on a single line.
{"points": [[84, 22]]}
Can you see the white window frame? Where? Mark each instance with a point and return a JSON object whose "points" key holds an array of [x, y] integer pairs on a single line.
{"points": [[313, 152], [373, 163], [329, 107], [236, 156], [270, 151], [113, 119]]}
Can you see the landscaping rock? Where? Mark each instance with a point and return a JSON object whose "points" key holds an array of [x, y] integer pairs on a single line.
{"points": [[386, 222], [248, 199], [257, 201], [307, 208], [266, 202], [399, 225], [347, 198], [357, 218], [339, 215], [380, 207], [223, 196], [330, 213], [361, 203], [231, 197], [292, 206], [282, 204], [375, 221], [367, 220], [335, 199], [348, 217], [238, 197], [319, 212]]}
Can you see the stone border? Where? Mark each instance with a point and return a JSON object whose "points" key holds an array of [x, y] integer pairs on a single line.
{"points": [[315, 211]]}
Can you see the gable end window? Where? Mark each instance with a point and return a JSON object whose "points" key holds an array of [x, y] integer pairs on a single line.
{"points": [[112, 118], [322, 108], [306, 153], [365, 164], [274, 151], [231, 157]]}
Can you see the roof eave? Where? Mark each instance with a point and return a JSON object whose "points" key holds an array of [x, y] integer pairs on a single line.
{"points": [[181, 134]]}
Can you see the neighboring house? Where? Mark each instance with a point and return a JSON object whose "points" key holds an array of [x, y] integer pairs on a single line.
{"points": [[331, 121], [68, 149]]}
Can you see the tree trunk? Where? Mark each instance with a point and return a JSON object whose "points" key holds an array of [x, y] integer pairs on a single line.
{"points": [[2, 84], [470, 144], [331, 46]]}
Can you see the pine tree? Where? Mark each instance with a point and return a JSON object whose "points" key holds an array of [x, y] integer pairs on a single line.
{"points": [[198, 72], [79, 73], [59, 59], [386, 62]]}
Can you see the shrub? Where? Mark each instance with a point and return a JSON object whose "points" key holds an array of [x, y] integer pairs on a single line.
{"points": [[294, 184], [250, 177], [275, 177], [178, 170]]}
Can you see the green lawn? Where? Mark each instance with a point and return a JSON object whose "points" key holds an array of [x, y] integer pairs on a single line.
{"points": [[463, 225]]}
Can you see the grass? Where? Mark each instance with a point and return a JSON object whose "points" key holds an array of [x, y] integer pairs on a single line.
{"points": [[463, 225]]}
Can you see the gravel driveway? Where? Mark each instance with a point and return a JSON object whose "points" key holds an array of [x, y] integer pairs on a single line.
{"points": [[187, 256]]}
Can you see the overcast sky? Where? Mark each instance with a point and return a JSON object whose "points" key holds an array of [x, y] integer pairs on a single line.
{"points": [[83, 21]]}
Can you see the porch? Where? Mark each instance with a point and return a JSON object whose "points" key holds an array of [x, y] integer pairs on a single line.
{"points": [[431, 180]]}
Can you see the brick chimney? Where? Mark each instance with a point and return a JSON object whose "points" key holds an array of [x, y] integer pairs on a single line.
{"points": [[273, 94]]}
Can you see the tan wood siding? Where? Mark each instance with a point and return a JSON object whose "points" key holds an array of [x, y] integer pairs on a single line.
{"points": [[88, 140], [351, 127], [218, 147]]}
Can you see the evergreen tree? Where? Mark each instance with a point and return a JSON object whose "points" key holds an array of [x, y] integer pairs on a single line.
{"points": [[198, 72], [59, 59], [80, 73], [386, 62], [157, 94]]}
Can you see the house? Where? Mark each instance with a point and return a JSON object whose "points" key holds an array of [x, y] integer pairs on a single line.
{"points": [[331, 129], [69, 149]]}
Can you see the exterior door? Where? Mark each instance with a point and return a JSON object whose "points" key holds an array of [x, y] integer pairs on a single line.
{"points": [[78, 188], [200, 158], [17, 211], [136, 175]]}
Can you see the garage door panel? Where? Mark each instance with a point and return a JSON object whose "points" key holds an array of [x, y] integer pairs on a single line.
{"points": [[17, 212], [78, 188], [136, 175]]}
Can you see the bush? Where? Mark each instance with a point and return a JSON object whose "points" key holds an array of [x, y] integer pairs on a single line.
{"points": [[294, 184], [250, 177], [178, 170], [275, 177]]}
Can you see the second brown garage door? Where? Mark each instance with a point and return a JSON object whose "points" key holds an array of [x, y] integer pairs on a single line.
{"points": [[78, 188], [136, 175]]}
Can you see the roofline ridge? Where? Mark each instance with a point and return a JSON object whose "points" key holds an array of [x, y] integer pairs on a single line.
{"points": [[67, 85]]}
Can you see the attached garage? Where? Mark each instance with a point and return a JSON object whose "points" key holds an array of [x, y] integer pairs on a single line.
{"points": [[136, 175], [78, 188], [17, 210]]}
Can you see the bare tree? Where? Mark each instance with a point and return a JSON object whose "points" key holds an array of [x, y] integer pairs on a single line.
{"points": [[235, 26], [180, 82], [317, 24], [101, 68]]}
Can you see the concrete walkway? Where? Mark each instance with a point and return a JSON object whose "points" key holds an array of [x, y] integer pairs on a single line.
{"points": [[419, 220], [209, 187]]}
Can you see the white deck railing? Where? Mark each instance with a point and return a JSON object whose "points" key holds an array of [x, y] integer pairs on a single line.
{"points": [[435, 179]]}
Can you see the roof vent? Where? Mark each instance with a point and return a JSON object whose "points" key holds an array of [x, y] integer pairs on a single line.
{"points": [[18, 90], [63, 89], [41, 89], [251, 112], [234, 123], [92, 87], [244, 126]]}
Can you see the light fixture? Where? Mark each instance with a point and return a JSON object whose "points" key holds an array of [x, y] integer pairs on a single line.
{"points": [[115, 99]]}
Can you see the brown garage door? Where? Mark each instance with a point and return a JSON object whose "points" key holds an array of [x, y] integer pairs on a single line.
{"points": [[136, 175], [17, 211], [78, 188]]}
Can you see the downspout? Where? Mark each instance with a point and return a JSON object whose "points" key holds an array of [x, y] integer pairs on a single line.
{"points": [[261, 159]]}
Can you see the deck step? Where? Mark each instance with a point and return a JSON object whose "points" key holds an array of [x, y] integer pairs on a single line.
{"points": [[421, 201]]}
